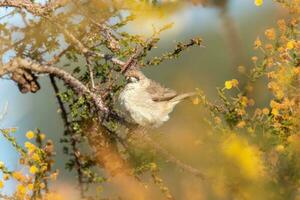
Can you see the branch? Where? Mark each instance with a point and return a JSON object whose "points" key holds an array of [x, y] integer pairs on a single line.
{"points": [[19, 63], [43, 11], [140, 133], [34, 8]]}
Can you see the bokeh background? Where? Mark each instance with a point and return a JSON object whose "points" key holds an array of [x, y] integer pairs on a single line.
{"points": [[228, 42]]}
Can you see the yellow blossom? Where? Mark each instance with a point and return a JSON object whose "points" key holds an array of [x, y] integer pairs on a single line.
{"points": [[257, 43], [241, 124], [291, 44], [254, 58], [265, 111], [279, 148], [228, 85], [270, 34], [257, 111], [36, 157], [234, 82], [274, 104], [258, 2], [44, 168], [21, 190], [33, 169], [275, 112], [244, 156], [31, 147], [280, 49], [30, 134], [30, 186], [1, 184], [244, 101], [18, 176], [282, 25], [231, 83], [269, 47]]}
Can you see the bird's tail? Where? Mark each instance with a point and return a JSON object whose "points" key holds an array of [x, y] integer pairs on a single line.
{"points": [[181, 97]]}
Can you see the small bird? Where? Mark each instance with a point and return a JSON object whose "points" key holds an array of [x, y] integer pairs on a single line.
{"points": [[148, 103]]}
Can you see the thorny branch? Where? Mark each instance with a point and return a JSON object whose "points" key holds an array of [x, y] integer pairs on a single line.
{"points": [[64, 116], [22, 65], [142, 135], [80, 88]]}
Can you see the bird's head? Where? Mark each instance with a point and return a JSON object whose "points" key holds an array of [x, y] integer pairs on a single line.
{"points": [[134, 77]]}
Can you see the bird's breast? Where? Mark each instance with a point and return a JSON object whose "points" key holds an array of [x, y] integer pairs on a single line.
{"points": [[143, 110]]}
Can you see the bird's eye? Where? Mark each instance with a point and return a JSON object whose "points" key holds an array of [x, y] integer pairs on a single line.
{"points": [[132, 79]]}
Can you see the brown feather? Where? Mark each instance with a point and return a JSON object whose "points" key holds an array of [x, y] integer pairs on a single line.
{"points": [[160, 93]]}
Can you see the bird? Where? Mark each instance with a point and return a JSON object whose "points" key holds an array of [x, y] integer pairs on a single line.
{"points": [[148, 102]]}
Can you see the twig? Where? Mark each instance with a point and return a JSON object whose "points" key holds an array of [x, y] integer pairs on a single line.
{"points": [[143, 136], [64, 116], [43, 12], [4, 112], [91, 73]]}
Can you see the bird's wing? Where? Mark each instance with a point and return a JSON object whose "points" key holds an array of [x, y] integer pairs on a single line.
{"points": [[159, 92]]}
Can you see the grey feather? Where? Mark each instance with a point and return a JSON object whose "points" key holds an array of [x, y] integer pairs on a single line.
{"points": [[159, 92]]}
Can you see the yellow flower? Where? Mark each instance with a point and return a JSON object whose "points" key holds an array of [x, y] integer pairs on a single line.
{"points": [[21, 189], [279, 148], [153, 166], [244, 101], [244, 156], [231, 83], [228, 85], [18, 176], [254, 58], [31, 147], [1, 184], [270, 33], [275, 112], [282, 25], [257, 43], [241, 124], [290, 45], [234, 82], [44, 168], [258, 2], [30, 134], [33, 169], [36, 157], [265, 111], [30, 186]]}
